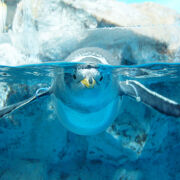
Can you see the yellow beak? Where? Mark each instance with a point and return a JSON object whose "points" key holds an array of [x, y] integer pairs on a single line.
{"points": [[86, 83]]}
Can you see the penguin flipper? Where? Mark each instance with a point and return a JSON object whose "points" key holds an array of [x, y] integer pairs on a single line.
{"points": [[162, 104], [39, 93]]}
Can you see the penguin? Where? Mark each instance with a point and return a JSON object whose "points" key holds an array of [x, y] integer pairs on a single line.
{"points": [[88, 99]]}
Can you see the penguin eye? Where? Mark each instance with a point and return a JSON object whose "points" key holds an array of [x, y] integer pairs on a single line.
{"points": [[101, 78], [74, 76]]}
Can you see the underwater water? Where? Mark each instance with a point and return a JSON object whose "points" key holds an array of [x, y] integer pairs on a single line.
{"points": [[141, 144]]}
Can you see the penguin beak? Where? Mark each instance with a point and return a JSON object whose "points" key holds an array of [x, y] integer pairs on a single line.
{"points": [[89, 83]]}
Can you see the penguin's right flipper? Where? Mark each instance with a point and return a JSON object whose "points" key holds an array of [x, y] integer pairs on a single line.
{"points": [[137, 90], [39, 93]]}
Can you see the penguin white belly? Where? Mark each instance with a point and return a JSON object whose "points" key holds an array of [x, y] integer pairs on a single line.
{"points": [[87, 123]]}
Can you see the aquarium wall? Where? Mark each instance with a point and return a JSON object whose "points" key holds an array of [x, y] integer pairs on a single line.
{"points": [[141, 144]]}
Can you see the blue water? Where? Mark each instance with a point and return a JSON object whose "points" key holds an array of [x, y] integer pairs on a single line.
{"points": [[141, 144]]}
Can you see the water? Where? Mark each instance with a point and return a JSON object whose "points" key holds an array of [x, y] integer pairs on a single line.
{"points": [[140, 144], [46, 72], [30, 139]]}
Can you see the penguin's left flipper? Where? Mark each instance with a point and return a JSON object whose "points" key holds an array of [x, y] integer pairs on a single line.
{"points": [[162, 104], [39, 93]]}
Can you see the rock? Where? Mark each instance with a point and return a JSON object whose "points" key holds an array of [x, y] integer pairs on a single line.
{"points": [[25, 170], [4, 89], [125, 174], [146, 38], [130, 46], [109, 12], [149, 19], [157, 14], [60, 26], [122, 14], [51, 16]]}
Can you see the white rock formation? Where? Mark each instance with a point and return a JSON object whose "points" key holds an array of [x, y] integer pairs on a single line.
{"points": [[152, 20], [62, 26], [122, 14]]}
